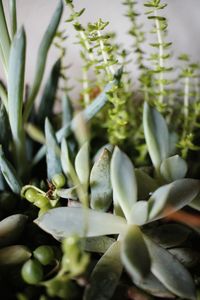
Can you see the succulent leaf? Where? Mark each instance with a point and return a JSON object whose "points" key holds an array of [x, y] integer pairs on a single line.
{"points": [[82, 164], [173, 168]]}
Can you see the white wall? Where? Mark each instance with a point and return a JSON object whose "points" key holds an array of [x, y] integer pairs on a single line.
{"points": [[183, 16]]}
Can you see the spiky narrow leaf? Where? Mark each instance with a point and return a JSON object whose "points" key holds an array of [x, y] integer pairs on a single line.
{"points": [[156, 135], [105, 276], [4, 36], [123, 181], [100, 184], [13, 17], [173, 168], [45, 109], [53, 151], [42, 57], [82, 164], [15, 93], [64, 221], [172, 197], [134, 253], [9, 173], [170, 271]]}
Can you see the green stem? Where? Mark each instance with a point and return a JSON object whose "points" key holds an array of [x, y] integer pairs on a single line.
{"points": [[186, 99], [161, 53]]}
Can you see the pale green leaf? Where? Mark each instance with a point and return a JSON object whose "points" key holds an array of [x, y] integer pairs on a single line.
{"points": [[123, 181], [146, 184], [139, 213], [134, 253], [170, 271], [14, 255], [156, 135], [99, 244], [64, 221], [105, 276], [172, 197], [53, 151], [173, 168], [82, 164], [13, 17], [67, 111], [4, 36], [100, 184], [195, 204], [65, 158]]}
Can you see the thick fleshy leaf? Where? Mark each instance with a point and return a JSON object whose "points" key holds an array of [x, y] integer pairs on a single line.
{"points": [[11, 228], [10, 174], [169, 235], [134, 253], [65, 158], [153, 286], [14, 255], [42, 57], [173, 168], [53, 151], [146, 184], [123, 181], [139, 213], [45, 109], [108, 147], [170, 271], [105, 276], [82, 164], [100, 184], [16, 72], [99, 244], [187, 256], [172, 197], [67, 110], [70, 193], [156, 135], [64, 221], [195, 204]]}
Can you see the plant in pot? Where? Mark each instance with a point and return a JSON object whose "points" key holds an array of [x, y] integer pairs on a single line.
{"points": [[78, 219]]}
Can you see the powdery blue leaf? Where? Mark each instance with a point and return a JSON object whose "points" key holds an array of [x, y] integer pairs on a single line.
{"points": [[100, 184], [62, 222], [134, 253], [173, 168], [105, 276], [172, 197], [123, 181], [156, 135], [170, 272]]}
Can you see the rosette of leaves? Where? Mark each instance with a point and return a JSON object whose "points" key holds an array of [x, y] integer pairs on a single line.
{"points": [[150, 264]]}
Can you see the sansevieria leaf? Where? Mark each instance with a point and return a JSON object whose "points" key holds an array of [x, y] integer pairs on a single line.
{"points": [[123, 181], [106, 275], [156, 135]]}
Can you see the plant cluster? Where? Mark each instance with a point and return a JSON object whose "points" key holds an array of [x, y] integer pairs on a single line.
{"points": [[101, 203]]}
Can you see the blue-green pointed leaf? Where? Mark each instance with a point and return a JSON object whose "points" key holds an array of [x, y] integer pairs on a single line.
{"points": [[42, 57], [45, 109], [156, 135], [134, 253], [15, 93], [67, 111], [170, 271], [123, 181], [105, 276], [13, 17], [10, 173], [64, 221], [4, 36], [100, 184], [173, 168], [172, 197], [53, 152]]}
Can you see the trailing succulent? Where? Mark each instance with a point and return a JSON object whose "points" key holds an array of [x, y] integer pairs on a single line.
{"points": [[78, 219]]}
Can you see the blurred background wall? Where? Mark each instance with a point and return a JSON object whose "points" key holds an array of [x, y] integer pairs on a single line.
{"points": [[183, 17]]}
